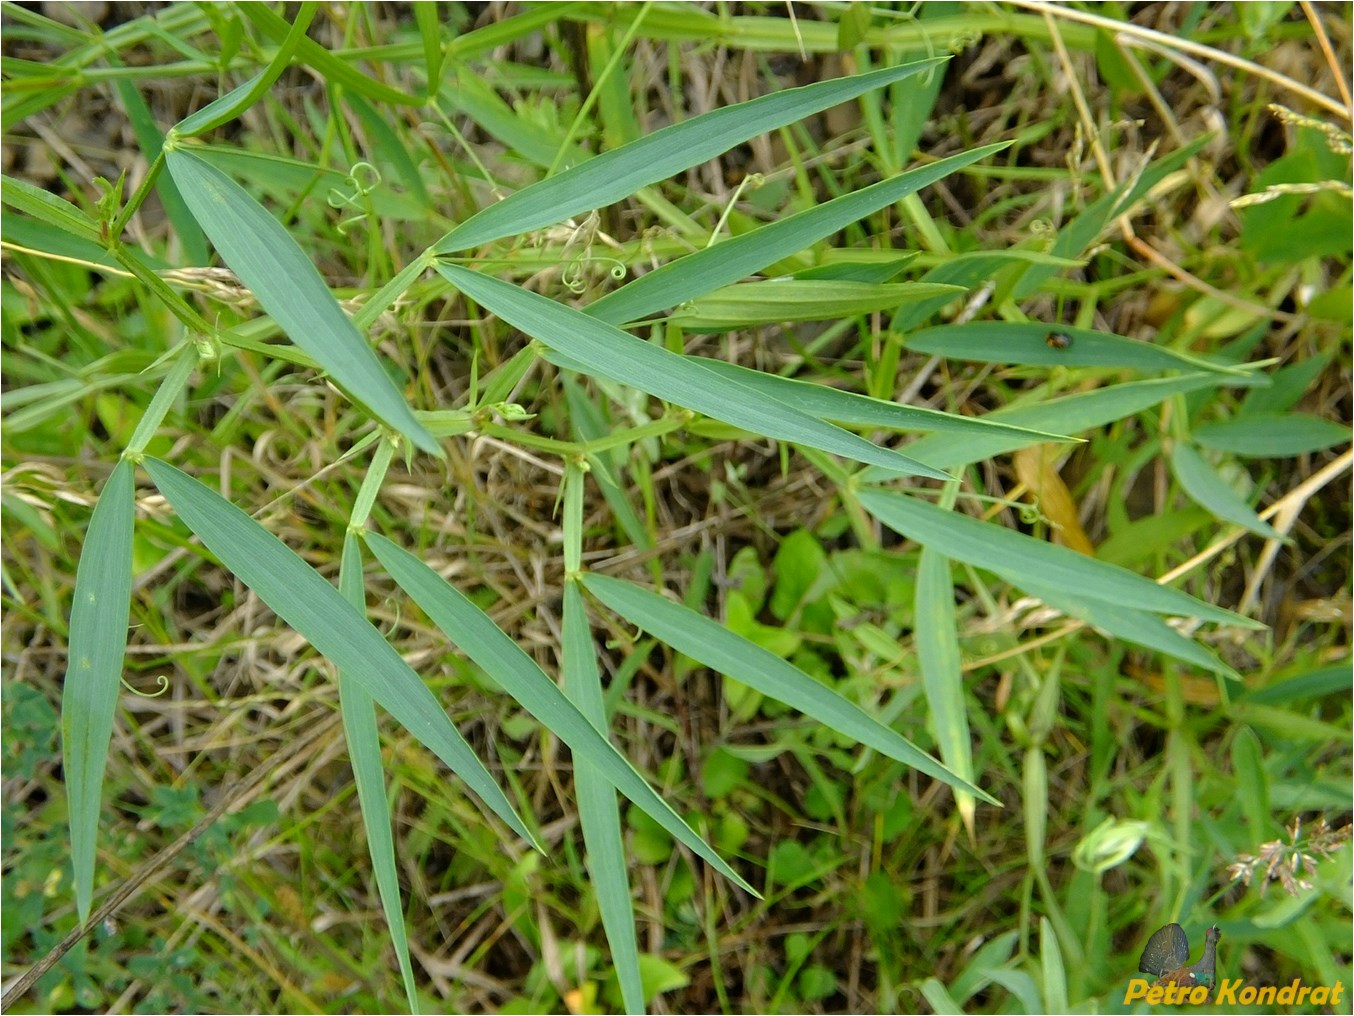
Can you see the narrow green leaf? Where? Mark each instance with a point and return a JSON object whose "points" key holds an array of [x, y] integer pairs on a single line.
{"points": [[229, 106], [288, 287], [1017, 557], [302, 598], [364, 754], [599, 348], [827, 403], [336, 71], [1208, 489], [598, 813], [779, 300], [520, 676], [972, 269], [740, 256], [1069, 414], [1332, 680], [1136, 626], [719, 649], [942, 671], [617, 174], [150, 139], [470, 95], [98, 642], [1252, 783], [1052, 969], [1083, 231], [1026, 343], [1272, 435], [47, 207], [426, 16]]}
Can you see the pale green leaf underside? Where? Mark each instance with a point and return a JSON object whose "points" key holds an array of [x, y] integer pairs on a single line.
{"points": [[364, 754]]}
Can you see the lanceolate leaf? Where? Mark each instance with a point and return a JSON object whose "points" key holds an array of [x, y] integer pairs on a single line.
{"points": [[942, 672], [829, 403], [1069, 414], [738, 257], [597, 810], [502, 659], [1136, 626], [302, 598], [364, 753], [1207, 488], [619, 173], [606, 350], [288, 287], [1016, 556], [98, 642], [720, 649]]}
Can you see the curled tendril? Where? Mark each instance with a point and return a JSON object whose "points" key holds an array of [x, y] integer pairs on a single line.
{"points": [[160, 680], [963, 40], [363, 178], [1030, 514]]}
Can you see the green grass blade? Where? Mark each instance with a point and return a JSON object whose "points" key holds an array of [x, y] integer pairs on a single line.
{"points": [[589, 425], [599, 348], [302, 598], [716, 647], [617, 174], [740, 256], [840, 406], [98, 642], [288, 287], [1016, 556], [597, 810], [1205, 487], [942, 671], [520, 676], [364, 754]]}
